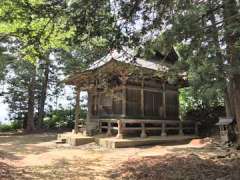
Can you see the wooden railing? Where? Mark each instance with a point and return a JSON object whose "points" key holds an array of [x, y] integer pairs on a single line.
{"points": [[143, 126]]}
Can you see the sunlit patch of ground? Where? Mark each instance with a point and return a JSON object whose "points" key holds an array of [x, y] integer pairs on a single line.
{"points": [[38, 157]]}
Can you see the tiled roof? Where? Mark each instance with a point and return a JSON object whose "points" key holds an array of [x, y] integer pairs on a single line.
{"points": [[129, 59]]}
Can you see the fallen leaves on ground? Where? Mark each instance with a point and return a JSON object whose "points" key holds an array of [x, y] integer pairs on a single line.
{"points": [[172, 167], [4, 171], [8, 172]]}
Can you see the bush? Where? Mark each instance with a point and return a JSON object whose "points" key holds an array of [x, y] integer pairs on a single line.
{"points": [[62, 118], [56, 121], [202, 105], [207, 117], [5, 127], [13, 126]]}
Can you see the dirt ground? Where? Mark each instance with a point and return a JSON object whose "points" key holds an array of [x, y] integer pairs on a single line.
{"points": [[38, 157]]}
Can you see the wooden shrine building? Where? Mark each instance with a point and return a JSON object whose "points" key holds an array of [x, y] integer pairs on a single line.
{"points": [[130, 95]]}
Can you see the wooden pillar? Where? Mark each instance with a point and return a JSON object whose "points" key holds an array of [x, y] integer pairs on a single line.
{"points": [[120, 129], [77, 111], [98, 102], [89, 104], [143, 131], [100, 126], [164, 101], [98, 105], [178, 104], [163, 133], [95, 104], [112, 99], [180, 128], [142, 98], [196, 128], [109, 130], [124, 98]]}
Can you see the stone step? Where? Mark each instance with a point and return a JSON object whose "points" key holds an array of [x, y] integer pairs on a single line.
{"points": [[76, 141], [113, 142], [60, 142]]}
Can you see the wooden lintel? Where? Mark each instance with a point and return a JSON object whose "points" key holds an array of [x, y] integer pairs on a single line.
{"points": [[144, 88]]}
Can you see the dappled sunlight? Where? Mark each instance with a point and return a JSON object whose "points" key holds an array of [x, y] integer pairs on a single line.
{"points": [[19, 149], [24, 149], [43, 159]]}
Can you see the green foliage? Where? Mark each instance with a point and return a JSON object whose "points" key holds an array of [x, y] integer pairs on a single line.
{"points": [[13, 126], [5, 128], [203, 107], [191, 99], [38, 25], [43, 25], [80, 57], [76, 32], [201, 32], [5, 60], [79, 31], [17, 90], [62, 118]]}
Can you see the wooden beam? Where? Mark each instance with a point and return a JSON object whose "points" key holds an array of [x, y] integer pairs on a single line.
{"points": [[144, 88]]}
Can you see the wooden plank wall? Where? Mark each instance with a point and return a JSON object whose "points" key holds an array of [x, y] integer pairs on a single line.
{"points": [[150, 106]]}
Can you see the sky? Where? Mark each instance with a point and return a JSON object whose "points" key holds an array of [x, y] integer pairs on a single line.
{"points": [[3, 111]]}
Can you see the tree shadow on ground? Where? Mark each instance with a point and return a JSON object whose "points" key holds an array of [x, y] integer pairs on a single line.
{"points": [[9, 155], [28, 139], [177, 143], [27, 144], [64, 169], [177, 167]]}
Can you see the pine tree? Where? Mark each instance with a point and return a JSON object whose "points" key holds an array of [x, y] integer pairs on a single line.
{"points": [[206, 35]]}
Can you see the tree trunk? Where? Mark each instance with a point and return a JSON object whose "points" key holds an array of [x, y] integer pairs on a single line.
{"points": [[230, 110], [30, 114], [43, 93], [236, 92], [227, 105], [77, 111], [231, 37]]}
